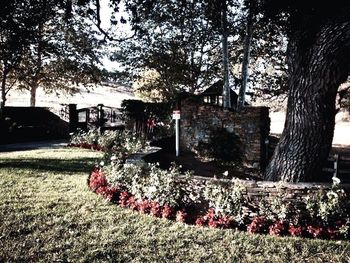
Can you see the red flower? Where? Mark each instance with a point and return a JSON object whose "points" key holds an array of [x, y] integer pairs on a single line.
{"points": [[155, 209], [315, 231], [97, 179], [212, 223], [200, 221], [144, 206], [123, 199], [258, 225], [107, 192], [167, 211], [295, 231], [210, 214], [131, 202], [332, 233], [277, 229], [224, 222], [181, 216]]}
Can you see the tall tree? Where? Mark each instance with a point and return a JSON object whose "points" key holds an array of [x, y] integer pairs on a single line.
{"points": [[176, 39], [64, 53], [17, 23], [181, 42], [49, 42], [226, 90], [246, 57], [318, 53]]}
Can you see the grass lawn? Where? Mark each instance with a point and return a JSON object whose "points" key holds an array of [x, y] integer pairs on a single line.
{"points": [[48, 214]]}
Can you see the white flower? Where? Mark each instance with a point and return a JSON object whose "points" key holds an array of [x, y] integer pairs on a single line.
{"points": [[336, 180], [152, 189], [102, 163], [113, 158], [225, 173]]}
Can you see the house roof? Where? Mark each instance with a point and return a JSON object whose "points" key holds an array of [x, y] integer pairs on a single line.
{"points": [[215, 89]]}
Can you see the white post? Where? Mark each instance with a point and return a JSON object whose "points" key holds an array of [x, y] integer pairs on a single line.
{"points": [[176, 117], [177, 137]]}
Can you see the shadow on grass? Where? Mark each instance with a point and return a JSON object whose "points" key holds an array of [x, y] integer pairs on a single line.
{"points": [[81, 165]]}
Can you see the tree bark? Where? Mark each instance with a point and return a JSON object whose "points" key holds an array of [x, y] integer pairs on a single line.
{"points": [[3, 87], [33, 89], [316, 69], [245, 63], [226, 95]]}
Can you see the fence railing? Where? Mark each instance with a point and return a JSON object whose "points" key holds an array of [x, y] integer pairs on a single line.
{"points": [[103, 117], [341, 167]]}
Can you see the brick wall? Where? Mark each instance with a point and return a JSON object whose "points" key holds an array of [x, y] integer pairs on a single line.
{"points": [[251, 125]]}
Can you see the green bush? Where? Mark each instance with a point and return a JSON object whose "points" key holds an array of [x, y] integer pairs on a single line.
{"points": [[148, 181], [225, 199]]}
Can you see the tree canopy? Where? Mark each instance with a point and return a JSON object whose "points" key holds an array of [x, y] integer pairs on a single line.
{"points": [[181, 41], [49, 43]]}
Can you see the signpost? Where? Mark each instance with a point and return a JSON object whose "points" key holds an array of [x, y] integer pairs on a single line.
{"points": [[176, 117]]}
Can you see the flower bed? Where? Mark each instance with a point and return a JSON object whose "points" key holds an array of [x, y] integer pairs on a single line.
{"points": [[303, 210], [321, 216]]}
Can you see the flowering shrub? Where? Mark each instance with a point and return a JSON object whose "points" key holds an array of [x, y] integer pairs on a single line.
{"points": [[295, 230], [213, 221], [225, 199], [327, 207], [315, 231], [167, 211], [161, 185], [144, 206], [279, 228], [151, 190], [148, 182], [108, 139], [80, 137], [109, 193], [125, 176], [123, 199], [277, 208], [181, 216], [123, 143]]}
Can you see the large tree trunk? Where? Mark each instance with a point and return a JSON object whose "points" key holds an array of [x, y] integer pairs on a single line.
{"points": [[317, 66]]}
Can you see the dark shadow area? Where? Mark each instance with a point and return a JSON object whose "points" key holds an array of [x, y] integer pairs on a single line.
{"points": [[23, 124], [82, 165], [26, 146], [190, 162]]}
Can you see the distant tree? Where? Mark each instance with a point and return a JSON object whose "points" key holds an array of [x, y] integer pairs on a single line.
{"points": [[17, 23], [51, 43], [64, 54]]}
